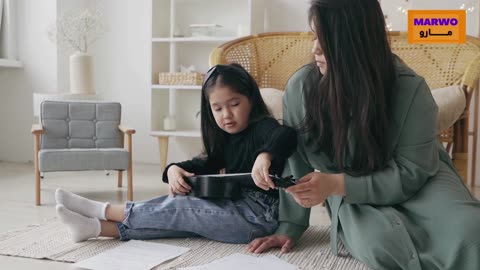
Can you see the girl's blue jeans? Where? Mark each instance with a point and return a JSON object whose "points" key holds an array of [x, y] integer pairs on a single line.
{"points": [[253, 215]]}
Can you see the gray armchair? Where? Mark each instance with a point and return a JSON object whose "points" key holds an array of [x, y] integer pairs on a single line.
{"points": [[81, 136]]}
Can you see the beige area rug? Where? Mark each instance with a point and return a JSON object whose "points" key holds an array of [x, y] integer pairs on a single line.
{"points": [[52, 241]]}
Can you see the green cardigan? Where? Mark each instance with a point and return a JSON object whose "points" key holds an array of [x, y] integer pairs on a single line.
{"points": [[406, 216]]}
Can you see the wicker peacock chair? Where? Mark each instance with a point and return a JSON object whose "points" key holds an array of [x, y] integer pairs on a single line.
{"points": [[272, 58]]}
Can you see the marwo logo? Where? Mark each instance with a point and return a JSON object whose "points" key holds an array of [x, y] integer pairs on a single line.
{"points": [[436, 26]]}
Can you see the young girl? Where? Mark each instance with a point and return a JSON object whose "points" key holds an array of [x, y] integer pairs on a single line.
{"points": [[240, 136]]}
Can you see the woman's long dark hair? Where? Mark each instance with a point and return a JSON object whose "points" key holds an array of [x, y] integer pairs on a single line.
{"points": [[240, 81], [352, 99]]}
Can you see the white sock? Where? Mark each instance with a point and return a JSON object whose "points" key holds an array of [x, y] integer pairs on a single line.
{"points": [[81, 205], [82, 228]]}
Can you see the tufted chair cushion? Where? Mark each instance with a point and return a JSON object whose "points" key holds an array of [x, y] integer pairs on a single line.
{"points": [[81, 136], [80, 125]]}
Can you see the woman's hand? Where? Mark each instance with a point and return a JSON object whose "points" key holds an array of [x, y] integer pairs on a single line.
{"points": [[176, 183], [262, 244], [315, 187], [260, 173]]}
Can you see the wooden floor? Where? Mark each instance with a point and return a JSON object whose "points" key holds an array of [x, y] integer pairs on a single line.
{"points": [[17, 208]]}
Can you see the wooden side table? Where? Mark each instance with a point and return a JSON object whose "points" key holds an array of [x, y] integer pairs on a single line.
{"points": [[163, 137]]}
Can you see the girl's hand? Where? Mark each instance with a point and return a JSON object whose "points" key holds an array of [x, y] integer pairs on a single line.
{"points": [[176, 183], [260, 172], [315, 187], [262, 244]]}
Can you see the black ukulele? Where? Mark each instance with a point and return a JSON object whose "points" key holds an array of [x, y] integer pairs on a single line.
{"points": [[219, 186]]}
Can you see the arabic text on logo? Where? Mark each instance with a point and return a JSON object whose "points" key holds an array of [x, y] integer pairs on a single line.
{"points": [[436, 26]]}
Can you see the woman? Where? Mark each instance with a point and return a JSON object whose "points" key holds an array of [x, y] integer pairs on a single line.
{"points": [[368, 123]]}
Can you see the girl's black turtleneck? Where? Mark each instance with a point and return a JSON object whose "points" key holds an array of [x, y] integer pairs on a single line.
{"points": [[242, 149]]}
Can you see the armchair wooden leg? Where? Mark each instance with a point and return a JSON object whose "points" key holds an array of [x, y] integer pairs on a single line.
{"points": [[120, 176], [37, 169], [130, 185], [37, 186], [460, 160], [460, 148], [130, 169], [474, 146]]}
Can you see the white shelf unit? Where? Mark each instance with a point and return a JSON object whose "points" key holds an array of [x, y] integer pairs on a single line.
{"points": [[10, 63], [172, 46], [178, 87], [181, 133]]}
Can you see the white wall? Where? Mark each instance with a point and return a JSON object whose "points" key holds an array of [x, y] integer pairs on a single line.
{"points": [[39, 73], [121, 64], [122, 61], [399, 20], [286, 15], [278, 19]]}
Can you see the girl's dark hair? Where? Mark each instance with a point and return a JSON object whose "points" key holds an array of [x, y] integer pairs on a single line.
{"points": [[351, 102], [240, 81]]}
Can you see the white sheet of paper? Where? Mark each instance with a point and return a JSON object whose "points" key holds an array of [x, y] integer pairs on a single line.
{"points": [[239, 261], [133, 255]]}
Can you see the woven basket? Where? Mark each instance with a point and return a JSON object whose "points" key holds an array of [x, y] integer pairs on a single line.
{"points": [[180, 78]]}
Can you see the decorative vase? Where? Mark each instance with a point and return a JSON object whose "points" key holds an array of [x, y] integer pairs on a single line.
{"points": [[169, 123], [81, 75]]}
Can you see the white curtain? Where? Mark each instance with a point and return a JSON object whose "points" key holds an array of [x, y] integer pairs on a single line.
{"points": [[8, 35], [1, 13]]}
